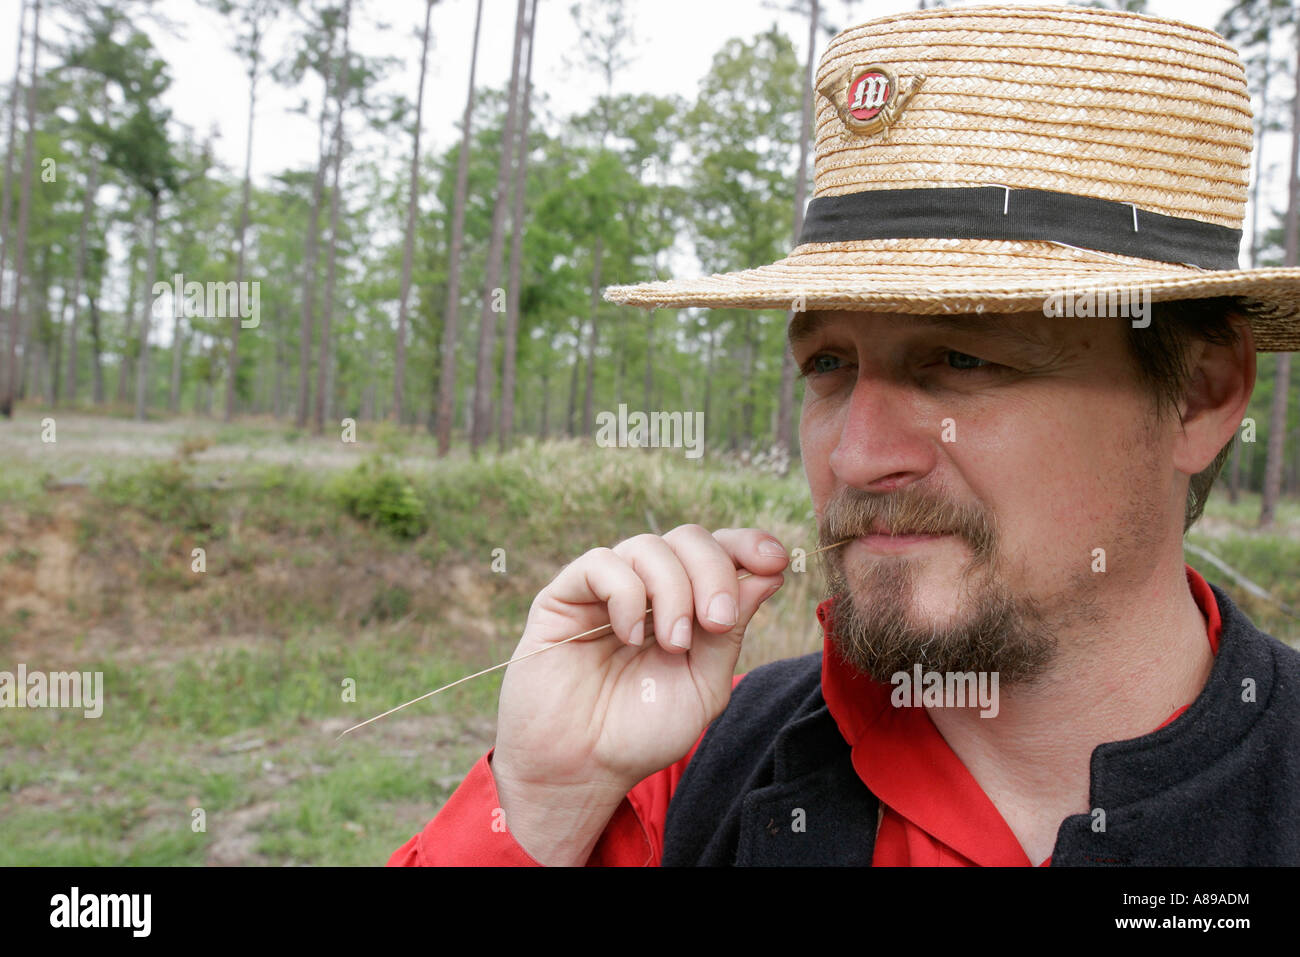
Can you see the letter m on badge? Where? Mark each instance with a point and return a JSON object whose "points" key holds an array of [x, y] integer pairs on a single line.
{"points": [[870, 92]]}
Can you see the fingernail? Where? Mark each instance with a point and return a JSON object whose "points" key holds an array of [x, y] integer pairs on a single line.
{"points": [[722, 610], [682, 633], [771, 548], [637, 635]]}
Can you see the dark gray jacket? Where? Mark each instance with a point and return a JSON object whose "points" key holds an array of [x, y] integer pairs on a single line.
{"points": [[1218, 786]]}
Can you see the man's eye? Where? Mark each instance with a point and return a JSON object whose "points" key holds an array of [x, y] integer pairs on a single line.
{"points": [[960, 360], [821, 364]]}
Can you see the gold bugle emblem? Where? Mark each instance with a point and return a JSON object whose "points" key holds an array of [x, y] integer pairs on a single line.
{"points": [[868, 99]]}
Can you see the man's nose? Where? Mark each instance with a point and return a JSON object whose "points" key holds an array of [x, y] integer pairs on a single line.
{"points": [[886, 440]]}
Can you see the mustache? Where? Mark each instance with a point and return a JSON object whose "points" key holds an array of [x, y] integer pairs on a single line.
{"points": [[853, 512]]}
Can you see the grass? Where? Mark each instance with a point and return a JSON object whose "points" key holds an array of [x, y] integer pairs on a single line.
{"points": [[324, 563], [121, 788], [375, 569]]}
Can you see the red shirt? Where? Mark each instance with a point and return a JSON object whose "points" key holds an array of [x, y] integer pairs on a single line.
{"points": [[933, 812]]}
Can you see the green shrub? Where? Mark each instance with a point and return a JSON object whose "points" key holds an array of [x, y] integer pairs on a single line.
{"points": [[376, 493], [166, 492]]}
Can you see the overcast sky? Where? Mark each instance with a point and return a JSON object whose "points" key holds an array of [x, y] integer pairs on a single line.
{"points": [[675, 41]]}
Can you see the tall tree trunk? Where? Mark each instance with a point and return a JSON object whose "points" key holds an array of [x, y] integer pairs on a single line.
{"points": [[323, 390], [507, 428], [142, 360], [485, 373], [263, 397], [26, 339], [178, 351], [277, 399], [242, 239], [785, 437], [593, 333], [408, 244], [24, 214], [1282, 374], [211, 381], [34, 327], [97, 347], [92, 187], [330, 383], [132, 303], [1256, 208], [571, 423], [54, 343], [310, 252], [6, 203], [33, 353], [450, 328]]}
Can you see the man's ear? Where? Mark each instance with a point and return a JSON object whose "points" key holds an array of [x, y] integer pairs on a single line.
{"points": [[1218, 393]]}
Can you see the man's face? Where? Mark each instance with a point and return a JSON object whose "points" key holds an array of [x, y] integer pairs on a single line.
{"points": [[1017, 445]]}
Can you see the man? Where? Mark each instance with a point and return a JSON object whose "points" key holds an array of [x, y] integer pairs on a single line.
{"points": [[1018, 666]]}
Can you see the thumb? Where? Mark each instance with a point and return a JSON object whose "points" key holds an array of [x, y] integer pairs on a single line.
{"points": [[753, 592], [717, 654]]}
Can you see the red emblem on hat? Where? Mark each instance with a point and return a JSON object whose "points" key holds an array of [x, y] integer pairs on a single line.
{"points": [[868, 98], [869, 94]]}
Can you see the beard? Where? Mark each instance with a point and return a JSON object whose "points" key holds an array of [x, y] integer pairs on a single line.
{"points": [[874, 625]]}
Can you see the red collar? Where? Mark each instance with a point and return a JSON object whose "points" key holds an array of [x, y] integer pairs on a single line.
{"points": [[901, 757], [1208, 605]]}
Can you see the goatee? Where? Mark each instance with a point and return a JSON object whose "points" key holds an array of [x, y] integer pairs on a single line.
{"points": [[871, 624]]}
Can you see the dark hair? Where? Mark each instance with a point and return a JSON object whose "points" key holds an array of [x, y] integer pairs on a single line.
{"points": [[1160, 351]]}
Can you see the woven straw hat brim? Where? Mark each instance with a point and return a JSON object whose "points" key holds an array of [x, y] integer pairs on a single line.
{"points": [[929, 277]]}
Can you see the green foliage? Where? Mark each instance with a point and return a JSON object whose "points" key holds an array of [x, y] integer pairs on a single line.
{"points": [[377, 493], [166, 492]]}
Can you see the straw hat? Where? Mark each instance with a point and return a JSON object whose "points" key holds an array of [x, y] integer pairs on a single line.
{"points": [[987, 158]]}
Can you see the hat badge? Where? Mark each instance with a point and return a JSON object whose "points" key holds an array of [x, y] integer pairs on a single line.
{"points": [[868, 98]]}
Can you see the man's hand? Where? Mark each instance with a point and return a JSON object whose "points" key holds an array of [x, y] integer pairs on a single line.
{"points": [[579, 726]]}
